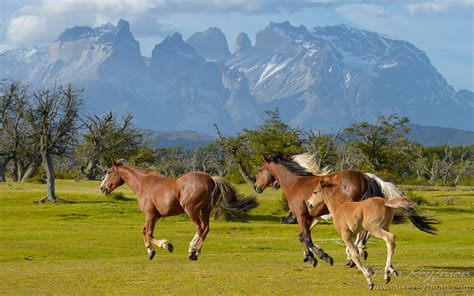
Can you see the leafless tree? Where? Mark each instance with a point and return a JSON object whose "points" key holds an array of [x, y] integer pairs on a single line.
{"points": [[54, 116], [106, 138], [14, 130]]}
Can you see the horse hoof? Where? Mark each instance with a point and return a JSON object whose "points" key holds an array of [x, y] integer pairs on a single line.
{"points": [[395, 273], [371, 286], [370, 270], [387, 280], [170, 248], [315, 262], [151, 254], [193, 257], [328, 259], [365, 255], [349, 262], [305, 259], [352, 264]]}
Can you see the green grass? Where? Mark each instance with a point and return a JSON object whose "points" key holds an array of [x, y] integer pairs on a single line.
{"points": [[91, 244]]}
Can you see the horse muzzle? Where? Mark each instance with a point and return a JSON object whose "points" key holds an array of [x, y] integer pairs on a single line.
{"points": [[309, 205], [258, 189], [104, 190]]}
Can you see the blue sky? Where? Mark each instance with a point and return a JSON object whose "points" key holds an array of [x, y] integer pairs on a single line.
{"points": [[443, 29]]}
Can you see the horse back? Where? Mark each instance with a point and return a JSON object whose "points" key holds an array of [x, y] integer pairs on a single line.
{"points": [[194, 188], [352, 183]]}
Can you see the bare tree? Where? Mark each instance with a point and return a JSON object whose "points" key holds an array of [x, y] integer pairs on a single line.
{"points": [[54, 116], [107, 139], [14, 130]]}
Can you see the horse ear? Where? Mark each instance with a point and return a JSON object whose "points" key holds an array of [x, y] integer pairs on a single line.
{"points": [[325, 183], [265, 158]]}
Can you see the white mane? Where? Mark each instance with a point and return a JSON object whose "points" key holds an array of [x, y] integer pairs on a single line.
{"points": [[307, 161]]}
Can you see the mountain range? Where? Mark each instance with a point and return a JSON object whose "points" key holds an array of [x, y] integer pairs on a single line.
{"points": [[320, 78]]}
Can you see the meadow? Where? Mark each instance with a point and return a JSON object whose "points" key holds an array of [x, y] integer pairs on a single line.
{"points": [[90, 244]]}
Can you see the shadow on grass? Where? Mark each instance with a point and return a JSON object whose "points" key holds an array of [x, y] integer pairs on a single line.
{"points": [[264, 218]]}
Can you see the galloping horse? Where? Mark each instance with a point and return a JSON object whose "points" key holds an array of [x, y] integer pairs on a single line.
{"points": [[195, 194], [298, 184], [374, 215]]}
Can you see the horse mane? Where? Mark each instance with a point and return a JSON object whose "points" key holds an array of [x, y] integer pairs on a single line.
{"points": [[291, 165], [307, 161], [123, 161]]}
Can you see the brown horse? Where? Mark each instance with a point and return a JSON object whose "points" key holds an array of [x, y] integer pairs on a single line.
{"points": [[298, 184], [374, 215], [195, 194]]}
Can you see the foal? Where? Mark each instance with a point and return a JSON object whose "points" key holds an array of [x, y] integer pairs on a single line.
{"points": [[374, 215]]}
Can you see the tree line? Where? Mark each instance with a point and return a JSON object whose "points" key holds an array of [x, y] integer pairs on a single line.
{"points": [[48, 133]]}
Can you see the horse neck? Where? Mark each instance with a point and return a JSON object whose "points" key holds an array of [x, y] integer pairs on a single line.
{"points": [[332, 200], [285, 178], [131, 176]]}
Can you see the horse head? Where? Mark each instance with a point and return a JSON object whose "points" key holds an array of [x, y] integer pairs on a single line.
{"points": [[265, 177], [317, 196], [112, 179]]}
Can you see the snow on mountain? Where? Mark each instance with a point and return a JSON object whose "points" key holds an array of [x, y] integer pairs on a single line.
{"points": [[328, 77], [324, 77]]}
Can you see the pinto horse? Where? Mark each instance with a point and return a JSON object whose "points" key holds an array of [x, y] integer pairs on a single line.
{"points": [[195, 194], [298, 184]]}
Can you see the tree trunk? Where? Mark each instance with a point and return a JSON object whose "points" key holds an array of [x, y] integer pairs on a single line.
{"points": [[3, 168], [49, 168], [245, 174], [15, 170], [31, 171]]}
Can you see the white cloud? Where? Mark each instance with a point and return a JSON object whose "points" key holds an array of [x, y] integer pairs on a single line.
{"points": [[436, 5]]}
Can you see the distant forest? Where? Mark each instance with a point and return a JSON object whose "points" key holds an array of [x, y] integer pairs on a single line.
{"points": [[46, 134]]}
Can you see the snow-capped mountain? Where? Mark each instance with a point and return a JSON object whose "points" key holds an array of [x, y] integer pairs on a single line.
{"points": [[324, 77], [328, 77], [176, 89]]}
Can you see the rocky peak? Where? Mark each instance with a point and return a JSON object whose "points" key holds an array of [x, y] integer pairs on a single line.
{"points": [[284, 38], [242, 42], [210, 44], [75, 33], [173, 44]]}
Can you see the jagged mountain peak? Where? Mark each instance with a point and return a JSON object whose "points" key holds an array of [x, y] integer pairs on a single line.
{"points": [[210, 44], [242, 42], [174, 44]]}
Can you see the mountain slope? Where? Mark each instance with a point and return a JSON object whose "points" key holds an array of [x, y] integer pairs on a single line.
{"points": [[328, 77], [321, 78]]}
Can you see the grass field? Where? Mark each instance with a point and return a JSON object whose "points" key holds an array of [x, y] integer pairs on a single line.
{"points": [[92, 244]]}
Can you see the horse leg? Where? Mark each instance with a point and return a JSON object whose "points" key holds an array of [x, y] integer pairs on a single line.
{"points": [[305, 237], [389, 239], [314, 223], [361, 242], [193, 245], [205, 217], [347, 236], [147, 230]]}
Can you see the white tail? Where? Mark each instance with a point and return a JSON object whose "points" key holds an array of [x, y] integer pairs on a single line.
{"points": [[389, 190]]}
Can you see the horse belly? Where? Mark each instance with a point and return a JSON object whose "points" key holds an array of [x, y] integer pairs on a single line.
{"points": [[169, 206]]}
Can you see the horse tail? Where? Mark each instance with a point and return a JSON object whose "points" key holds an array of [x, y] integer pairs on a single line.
{"points": [[408, 209], [379, 187], [225, 196]]}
